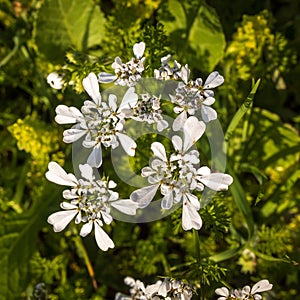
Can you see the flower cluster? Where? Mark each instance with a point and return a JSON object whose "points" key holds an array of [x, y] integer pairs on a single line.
{"points": [[100, 122], [89, 202], [179, 175], [126, 73], [169, 289], [246, 292]]}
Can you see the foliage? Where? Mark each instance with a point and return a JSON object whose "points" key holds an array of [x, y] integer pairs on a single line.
{"points": [[249, 233]]}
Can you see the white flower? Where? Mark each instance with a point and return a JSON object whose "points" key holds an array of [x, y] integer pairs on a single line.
{"points": [[194, 95], [166, 72], [169, 289], [55, 80], [179, 175], [261, 286], [101, 123], [246, 292], [147, 109], [90, 202], [224, 292], [126, 73]]}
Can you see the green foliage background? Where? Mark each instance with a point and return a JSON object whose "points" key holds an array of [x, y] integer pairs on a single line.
{"points": [[250, 233]]}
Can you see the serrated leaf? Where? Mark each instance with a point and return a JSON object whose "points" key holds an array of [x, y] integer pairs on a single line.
{"points": [[62, 24], [195, 32]]}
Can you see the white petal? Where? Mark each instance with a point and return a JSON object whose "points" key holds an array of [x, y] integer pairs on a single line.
{"points": [[59, 176], [185, 74], [143, 196], [104, 77], [61, 219], [125, 206], [159, 151], [179, 121], [213, 80], [209, 101], [95, 158], [88, 143], [91, 86], [190, 216], [73, 134], [138, 49], [194, 200], [68, 206], [162, 125], [203, 170], [177, 142], [223, 291], [193, 129], [129, 100], [67, 115], [112, 101], [107, 218], [167, 201], [127, 143], [208, 114], [104, 242], [164, 60], [261, 286], [86, 172], [217, 181], [67, 194], [147, 171], [86, 229]]}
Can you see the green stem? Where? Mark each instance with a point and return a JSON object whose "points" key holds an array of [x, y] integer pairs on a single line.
{"points": [[83, 253], [198, 260]]}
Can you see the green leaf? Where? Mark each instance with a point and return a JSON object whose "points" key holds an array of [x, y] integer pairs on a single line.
{"points": [[241, 202], [225, 255], [18, 236], [241, 112], [64, 24], [195, 32]]}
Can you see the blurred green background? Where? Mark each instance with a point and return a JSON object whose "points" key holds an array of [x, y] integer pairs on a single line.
{"points": [[249, 233]]}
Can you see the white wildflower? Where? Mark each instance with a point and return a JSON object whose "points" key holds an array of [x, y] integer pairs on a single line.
{"points": [[147, 109], [100, 122], [179, 175], [90, 202], [192, 96], [166, 72], [126, 74], [55, 80]]}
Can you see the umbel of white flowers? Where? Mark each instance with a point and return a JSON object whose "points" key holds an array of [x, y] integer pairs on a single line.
{"points": [[246, 293], [88, 201], [168, 289], [101, 122], [179, 176]]}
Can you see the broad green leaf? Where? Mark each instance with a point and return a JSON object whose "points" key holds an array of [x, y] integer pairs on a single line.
{"points": [[64, 24], [195, 32], [18, 237]]}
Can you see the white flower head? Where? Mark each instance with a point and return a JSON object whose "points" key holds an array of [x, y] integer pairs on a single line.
{"points": [[169, 289], [100, 122], [147, 109], [166, 72], [193, 95], [55, 80], [90, 202], [246, 292], [126, 74]]}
